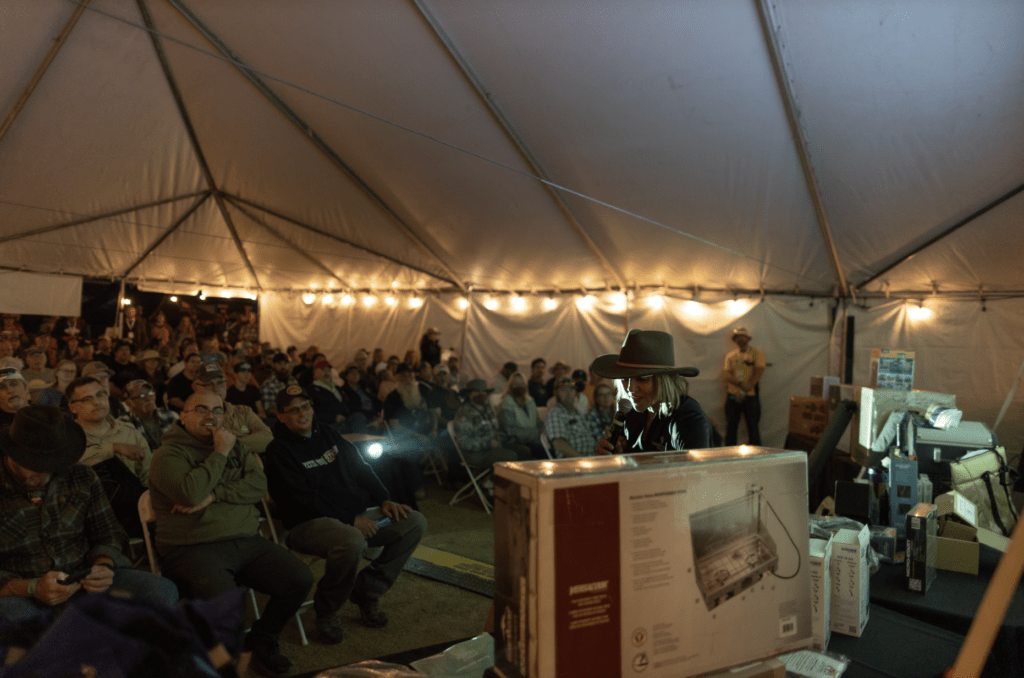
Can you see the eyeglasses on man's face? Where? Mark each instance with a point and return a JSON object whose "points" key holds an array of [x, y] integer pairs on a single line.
{"points": [[299, 409], [92, 399], [143, 396], [204, 411]]}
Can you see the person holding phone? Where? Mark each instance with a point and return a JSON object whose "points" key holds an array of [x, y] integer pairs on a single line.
{"points": [[48, 553]]}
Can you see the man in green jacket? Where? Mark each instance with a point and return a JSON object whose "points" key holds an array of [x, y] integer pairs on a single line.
{"points": [[205, 485]]}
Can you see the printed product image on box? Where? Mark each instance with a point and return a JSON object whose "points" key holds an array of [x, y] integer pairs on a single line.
{"points": [[732, 548]]}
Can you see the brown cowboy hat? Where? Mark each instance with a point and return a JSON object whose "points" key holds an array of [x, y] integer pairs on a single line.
{"points": [[643, 352]]}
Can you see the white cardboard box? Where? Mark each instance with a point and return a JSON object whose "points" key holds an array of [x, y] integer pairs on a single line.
{"points": [[666, 564], [850, 585], [821, 591]]}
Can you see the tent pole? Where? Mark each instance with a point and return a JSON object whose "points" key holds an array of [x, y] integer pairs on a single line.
{"points": [[772, 26], [947, 231], [159, 241], [120, 310], [97, 217], [312, 135], [312, 229], [514, 136], [273, 231], [58, 43]]}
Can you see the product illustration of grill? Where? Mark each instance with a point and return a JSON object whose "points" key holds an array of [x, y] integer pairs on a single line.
{"points": [[731, 548]]}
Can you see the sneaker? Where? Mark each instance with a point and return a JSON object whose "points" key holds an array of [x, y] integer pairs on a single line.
{"points": [[267, 657], [370, 612], [329, 627]]}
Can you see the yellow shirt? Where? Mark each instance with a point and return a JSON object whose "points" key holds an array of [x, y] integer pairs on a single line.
{"points": [[741, 364]]}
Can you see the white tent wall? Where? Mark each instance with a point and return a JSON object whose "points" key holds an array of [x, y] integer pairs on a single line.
{"points": [[793, 333], [961, 349]]}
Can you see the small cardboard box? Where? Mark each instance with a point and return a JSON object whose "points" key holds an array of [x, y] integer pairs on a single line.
{"points": [[820, 385], [667, 564], [808, 417], [885, 544], [957, 547], [922, 533], [850, 584], [821, 592]]}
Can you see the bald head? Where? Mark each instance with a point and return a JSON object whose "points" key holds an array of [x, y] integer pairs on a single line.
{"points": [[203, 413]]}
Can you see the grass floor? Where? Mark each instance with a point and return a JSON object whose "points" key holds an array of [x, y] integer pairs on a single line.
{"points": [[422, 611]]}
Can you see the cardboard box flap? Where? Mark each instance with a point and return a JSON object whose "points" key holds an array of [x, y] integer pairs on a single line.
{"points": [[990, 538], [951, 530], [955, 504]]}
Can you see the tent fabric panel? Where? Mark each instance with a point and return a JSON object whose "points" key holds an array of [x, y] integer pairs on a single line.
{"points": [[688, 130], [255, 153], [27, 32], [40, 294], [970, 259], [100, 131], [961, 349], [928, 125], [417, 87]]}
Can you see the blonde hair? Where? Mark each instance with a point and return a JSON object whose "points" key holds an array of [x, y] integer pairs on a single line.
{"points": [[670, 390]]}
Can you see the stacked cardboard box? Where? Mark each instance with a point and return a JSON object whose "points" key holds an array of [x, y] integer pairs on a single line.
{"points": [[850, 585]]}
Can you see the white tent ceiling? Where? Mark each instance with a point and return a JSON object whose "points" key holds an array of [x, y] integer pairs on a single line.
{"points": [[444, 144]]}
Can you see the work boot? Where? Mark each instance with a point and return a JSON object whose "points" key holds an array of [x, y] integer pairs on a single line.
{"points": [[266, 655], [329, 627], [369, 611]]}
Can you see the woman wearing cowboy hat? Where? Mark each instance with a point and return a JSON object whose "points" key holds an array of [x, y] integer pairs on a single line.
{"points": [[663, 417]]}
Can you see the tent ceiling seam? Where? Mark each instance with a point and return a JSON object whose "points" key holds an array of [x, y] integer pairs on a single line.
{"points": [[40, 71], [513, 135], [166, 234], [98, 217], [310, 134], [309, 257], [238, 241], [777, 52], [325, 234], [943, 234]]}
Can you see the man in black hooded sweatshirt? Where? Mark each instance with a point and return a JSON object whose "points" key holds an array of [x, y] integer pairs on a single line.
{"points": [[323, 489]]}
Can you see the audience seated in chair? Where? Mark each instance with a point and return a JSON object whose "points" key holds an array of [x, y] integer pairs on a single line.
{"points": [[322, 488], [476, 429], [566, 428], [205, 485]]}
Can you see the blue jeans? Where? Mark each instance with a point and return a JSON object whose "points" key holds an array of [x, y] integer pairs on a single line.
{"points": [[136, 583]]}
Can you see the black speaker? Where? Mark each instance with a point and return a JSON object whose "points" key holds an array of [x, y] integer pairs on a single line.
{"points": [[857, 501]]}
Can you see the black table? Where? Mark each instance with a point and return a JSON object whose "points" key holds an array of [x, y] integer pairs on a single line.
{"points": [[951, 603]]}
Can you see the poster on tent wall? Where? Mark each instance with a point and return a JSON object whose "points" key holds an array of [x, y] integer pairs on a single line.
{"points": [[892, 369], [40, 294]]}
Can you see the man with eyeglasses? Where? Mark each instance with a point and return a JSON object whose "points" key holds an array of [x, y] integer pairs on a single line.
{"points": [[101, 373], [205, 485], [238, 419], [116, 451], [148, 419], [323, 489], [13, 394]]}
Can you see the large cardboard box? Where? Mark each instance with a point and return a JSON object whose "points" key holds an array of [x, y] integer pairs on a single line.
{"points": [[808, 417], [667, 564], [850, 585], [957, 548], [922, 532], [821, 592]]}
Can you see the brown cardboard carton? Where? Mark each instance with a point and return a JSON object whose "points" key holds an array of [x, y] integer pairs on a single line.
{"points": [[957, 548], [808, 417]]}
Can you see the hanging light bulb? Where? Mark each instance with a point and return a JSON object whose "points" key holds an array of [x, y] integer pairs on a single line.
{"points": [[463, 303], [390, 300], [656, 301], [369, 300], [415, 302], [346, 300], [518, 303], [585, 302], [550, 303], [919, 312], [307, 298], [174, 300], [491, 303], [694, 307], [327, 299]]}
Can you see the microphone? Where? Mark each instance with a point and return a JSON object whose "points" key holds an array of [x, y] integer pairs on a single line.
{"points": [[616, 430]]}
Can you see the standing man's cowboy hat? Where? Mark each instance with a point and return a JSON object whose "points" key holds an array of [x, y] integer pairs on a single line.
{"points": [[644, 352], [740, 332], [43, 439]]}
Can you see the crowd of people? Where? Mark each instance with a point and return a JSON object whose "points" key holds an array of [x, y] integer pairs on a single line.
{"points": [[211, 428]]}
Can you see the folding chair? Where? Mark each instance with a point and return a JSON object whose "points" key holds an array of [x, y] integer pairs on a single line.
{"points": [[474, 476], [548, 447], [147, 516]]}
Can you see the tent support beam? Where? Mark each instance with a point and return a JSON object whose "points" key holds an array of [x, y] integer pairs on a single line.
{"points": [[97, 217], [312, 135], [179, 101], [58, 43], [277, 234], [514, 136], [777, 50], [159, 241], [947, 231], [312, 229]]}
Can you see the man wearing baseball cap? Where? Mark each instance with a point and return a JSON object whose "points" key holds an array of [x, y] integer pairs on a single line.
{"points": [[280, 380], [744, 366], [46, 542], [151, 421], [322, 489], [239, 419]]}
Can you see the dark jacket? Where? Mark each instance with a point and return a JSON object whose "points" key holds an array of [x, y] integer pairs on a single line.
{"points": [[687, 428], [355, 404], [326, 407], [430, 351], [322, 475]]}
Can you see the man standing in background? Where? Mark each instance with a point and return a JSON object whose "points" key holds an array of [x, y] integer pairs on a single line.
{"points": [[744, 366]]}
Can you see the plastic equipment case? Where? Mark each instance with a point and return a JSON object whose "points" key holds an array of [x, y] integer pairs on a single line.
{"points": [[667, 564]]}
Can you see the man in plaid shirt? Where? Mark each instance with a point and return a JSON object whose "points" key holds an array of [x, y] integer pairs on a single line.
{"points": [[280, 380], [55, 521], [567, 429], [477, 432]]}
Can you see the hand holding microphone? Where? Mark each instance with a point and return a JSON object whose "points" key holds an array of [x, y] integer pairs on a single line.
{"points": [[614, 441]]}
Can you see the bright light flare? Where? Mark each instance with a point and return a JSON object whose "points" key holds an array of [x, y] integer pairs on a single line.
{"points": [[390, 300], [346, 300], [919, 313], [369, 300], [327, 299], [656, 301], [463, 303], [308, 298], [518, 304], [374, 450], [694, 307], [550, 304], [415, 302], [585, 303], [491, 303], [174, 300]]}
